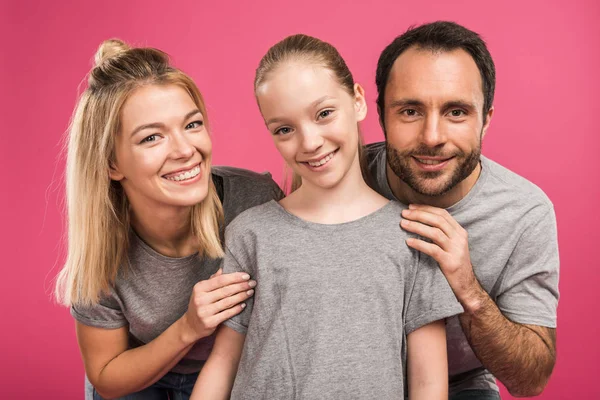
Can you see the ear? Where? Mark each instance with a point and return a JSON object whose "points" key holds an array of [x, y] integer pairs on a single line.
{"points": [[487, 121], [114, 173], [360, 103]]}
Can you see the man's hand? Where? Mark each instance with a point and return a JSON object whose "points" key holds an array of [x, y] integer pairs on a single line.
{"points": [[449, 247]]}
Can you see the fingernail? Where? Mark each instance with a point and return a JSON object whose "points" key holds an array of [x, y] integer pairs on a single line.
{"points": [[243, 305], [404, 222], [405, 212], [250, 292], [411, 206], [252, 283], [246, 276]]}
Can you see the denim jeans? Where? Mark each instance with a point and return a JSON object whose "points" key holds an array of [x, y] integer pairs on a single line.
{"points": [[172, 386], [476, 394]]}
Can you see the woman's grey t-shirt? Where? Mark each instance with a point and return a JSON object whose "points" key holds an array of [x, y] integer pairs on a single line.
{"points": [[154, 292], [333, 304]]}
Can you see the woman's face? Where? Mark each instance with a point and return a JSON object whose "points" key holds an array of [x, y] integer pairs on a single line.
{"points": [[163, 149], [313, 120]]}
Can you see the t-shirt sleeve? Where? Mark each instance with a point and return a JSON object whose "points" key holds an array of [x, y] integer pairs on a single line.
{"points": [[430, 297], [106, 314], [528, 293], [239, 322]]}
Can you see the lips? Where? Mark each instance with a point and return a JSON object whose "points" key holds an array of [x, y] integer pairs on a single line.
{"points": [[431, 163], [321, 160], [183, 175]]}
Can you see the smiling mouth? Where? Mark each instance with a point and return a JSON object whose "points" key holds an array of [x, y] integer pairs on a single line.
{"points": [[184, 175], [321, 161]]}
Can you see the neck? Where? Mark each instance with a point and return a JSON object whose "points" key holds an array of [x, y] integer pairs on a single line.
{"points": [[166, 229], [349, 200], [407, 195]]}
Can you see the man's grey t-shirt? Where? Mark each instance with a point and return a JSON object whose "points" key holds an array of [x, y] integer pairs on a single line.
{"points": [[155, 291], [333, 304], [514, 252]]}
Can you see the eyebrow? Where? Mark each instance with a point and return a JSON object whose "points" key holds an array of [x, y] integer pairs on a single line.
{"points": [[155, 125], [314, 104], [445, 106]]}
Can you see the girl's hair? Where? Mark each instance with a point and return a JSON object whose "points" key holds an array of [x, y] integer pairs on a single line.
{"points": [[306, 48], [98, 213]]}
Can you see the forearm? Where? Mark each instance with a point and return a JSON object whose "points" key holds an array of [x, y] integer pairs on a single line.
{"points": [[520, 356], [136, 369], [218, 374]]}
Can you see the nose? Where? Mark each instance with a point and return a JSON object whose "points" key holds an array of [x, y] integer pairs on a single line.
{"points": [[311, 140], [433, 133], [181, 147]]}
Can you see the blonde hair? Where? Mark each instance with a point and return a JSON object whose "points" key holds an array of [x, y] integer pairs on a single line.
{"points": [[97, 207], [307, 48]]}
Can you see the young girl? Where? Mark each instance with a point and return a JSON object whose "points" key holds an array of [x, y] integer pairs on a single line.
{"points": [[341, 301], [145, 217]]}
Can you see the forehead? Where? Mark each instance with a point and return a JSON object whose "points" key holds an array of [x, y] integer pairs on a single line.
{"points": [[156, 103], [296, 85], [432, 76]]}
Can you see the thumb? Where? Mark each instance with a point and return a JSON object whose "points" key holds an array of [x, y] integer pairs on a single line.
{"points": [[219, 272]]}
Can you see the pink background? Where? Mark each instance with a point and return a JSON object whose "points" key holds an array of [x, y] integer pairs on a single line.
{"points": [[547, 57]]}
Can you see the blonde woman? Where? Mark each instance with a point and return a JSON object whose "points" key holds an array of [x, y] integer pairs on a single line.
{"points": [[145, 218]]}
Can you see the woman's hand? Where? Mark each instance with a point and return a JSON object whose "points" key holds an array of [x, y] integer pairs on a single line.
{"points": [[214, 301]]}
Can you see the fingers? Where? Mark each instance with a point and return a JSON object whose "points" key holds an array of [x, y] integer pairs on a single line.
{"points": [[219, 272], [228, 291], [230, 301], [437, 211], [435, 234], [430, 219], [430, 249], [221, 280], [226, 314]]}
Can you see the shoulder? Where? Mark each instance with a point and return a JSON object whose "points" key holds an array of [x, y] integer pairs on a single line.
{"points": [[243, 189], [515, 186], [374, 150], [253, 220]]}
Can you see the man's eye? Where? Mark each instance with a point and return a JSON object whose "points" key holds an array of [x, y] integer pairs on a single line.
{"points": [[194, 125], [283, 131], [410, 112], [457, 113]]}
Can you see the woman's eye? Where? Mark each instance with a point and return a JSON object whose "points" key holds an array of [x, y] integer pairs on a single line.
{"points": [[325, 113], [148, 139], [194, 125], [283, 131]]}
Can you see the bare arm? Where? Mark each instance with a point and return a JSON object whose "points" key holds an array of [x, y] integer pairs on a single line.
{"points": [[427, 367], [217, 375], [520, 356], [115, 370]]}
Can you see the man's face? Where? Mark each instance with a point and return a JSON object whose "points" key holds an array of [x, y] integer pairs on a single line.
{"points": [[434, 119]]}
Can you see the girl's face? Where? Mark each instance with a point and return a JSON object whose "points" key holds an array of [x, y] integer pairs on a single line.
{"points": [[163, 149], [313, 120]]}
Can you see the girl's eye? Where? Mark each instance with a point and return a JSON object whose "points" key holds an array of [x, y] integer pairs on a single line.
{"points": [[148, 139], [325, 113], [194, 125], [283, 131]]}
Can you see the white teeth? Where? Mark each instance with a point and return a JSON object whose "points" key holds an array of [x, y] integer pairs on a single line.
{"points": [[185, 175], [321, 161], [430, 162]]}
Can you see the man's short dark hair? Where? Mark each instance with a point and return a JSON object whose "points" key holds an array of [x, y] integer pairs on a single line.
{"points": [[438, 36]]}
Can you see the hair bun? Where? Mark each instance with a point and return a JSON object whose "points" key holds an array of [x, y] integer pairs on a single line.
{"points": [[108, 49]]}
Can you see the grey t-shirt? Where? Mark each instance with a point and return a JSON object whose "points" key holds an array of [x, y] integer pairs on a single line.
{"points": [[155, 291], [333, 304], [514, 252]]}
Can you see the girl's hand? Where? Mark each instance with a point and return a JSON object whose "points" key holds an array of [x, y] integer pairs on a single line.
{"points": [[214, 301]]}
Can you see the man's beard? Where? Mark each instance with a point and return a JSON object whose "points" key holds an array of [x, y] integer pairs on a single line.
{"points": [[431, 183]]}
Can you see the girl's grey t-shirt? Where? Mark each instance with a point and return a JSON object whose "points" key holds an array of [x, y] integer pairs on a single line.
{"points": [[155, 291], [333, 304]]}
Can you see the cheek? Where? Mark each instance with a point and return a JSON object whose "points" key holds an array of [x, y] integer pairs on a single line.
{"points": [[285, 149]]}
